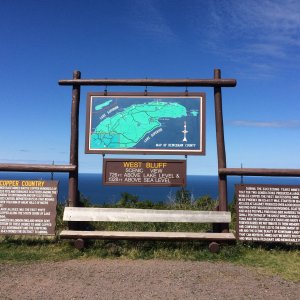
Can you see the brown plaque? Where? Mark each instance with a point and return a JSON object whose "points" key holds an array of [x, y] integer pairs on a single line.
{"points": [[144, 172], [28, 207], [268, 213]]}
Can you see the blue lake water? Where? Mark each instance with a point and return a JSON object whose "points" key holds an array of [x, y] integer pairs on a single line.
{"points": [[91, 186]]}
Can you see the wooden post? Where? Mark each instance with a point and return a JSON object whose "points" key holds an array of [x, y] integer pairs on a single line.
{"points": [[73, 176], [222, 181]]}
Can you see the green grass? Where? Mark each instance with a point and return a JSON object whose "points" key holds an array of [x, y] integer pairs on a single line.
{"points": [[26, 250], [282, 261]]}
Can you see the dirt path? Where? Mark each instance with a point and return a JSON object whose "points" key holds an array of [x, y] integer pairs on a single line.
{"points": [[139, 279]]}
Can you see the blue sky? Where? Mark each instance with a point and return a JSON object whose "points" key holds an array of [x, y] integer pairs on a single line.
{"points": [[255, 42]]}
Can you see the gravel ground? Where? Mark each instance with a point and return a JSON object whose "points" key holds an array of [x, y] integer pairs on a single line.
{"points": [[139, 279]]}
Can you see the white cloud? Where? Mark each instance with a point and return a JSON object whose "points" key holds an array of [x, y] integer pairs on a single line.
{"points": [[266, 124], [260, 49], [254, 32], [149, 19]]}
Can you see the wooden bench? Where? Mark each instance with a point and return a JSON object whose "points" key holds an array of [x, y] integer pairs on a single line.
{"points": [[83, 214]]}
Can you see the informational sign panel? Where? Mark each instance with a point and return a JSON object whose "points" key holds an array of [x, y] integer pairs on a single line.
{"points": [[144, 172], [152, 124], [28, 207], [268, 213]]}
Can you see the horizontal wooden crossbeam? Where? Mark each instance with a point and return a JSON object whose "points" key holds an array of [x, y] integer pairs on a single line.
{"points": [[37, 168], [260, 172], [151, 82], [142, 235]]}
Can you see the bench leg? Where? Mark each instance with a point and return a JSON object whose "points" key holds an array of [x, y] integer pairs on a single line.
{"points": [[221, 227], [79, 244], [214, 247]]}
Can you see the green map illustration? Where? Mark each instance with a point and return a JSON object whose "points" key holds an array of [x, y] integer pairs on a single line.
{"points": [[139, 123]]}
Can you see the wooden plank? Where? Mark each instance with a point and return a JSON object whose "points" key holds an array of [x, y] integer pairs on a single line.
{"points": [[140, 235], [151, 82], [260, 172], [144, 215], [37, 168]]}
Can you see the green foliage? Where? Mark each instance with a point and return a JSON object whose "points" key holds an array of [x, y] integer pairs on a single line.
{"points": [[60, 224], [128, 200], [205, 203], [232, 209], [183, 198], [84, 201]]}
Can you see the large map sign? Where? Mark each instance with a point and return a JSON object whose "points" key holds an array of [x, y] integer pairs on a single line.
{"points": [[152, 124]]}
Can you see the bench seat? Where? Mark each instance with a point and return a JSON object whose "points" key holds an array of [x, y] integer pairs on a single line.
{"points": [[144, 215]]}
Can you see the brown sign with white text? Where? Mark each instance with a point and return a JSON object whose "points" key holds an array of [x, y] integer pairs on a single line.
{"points": [[144, 172], [28, 207], [268, 213]]}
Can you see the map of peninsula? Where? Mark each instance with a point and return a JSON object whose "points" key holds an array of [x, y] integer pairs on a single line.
{"points": [[127, 128], [100, 106]]}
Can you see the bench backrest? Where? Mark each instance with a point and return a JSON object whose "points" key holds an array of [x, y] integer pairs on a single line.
{"points": [[144, 215]]}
